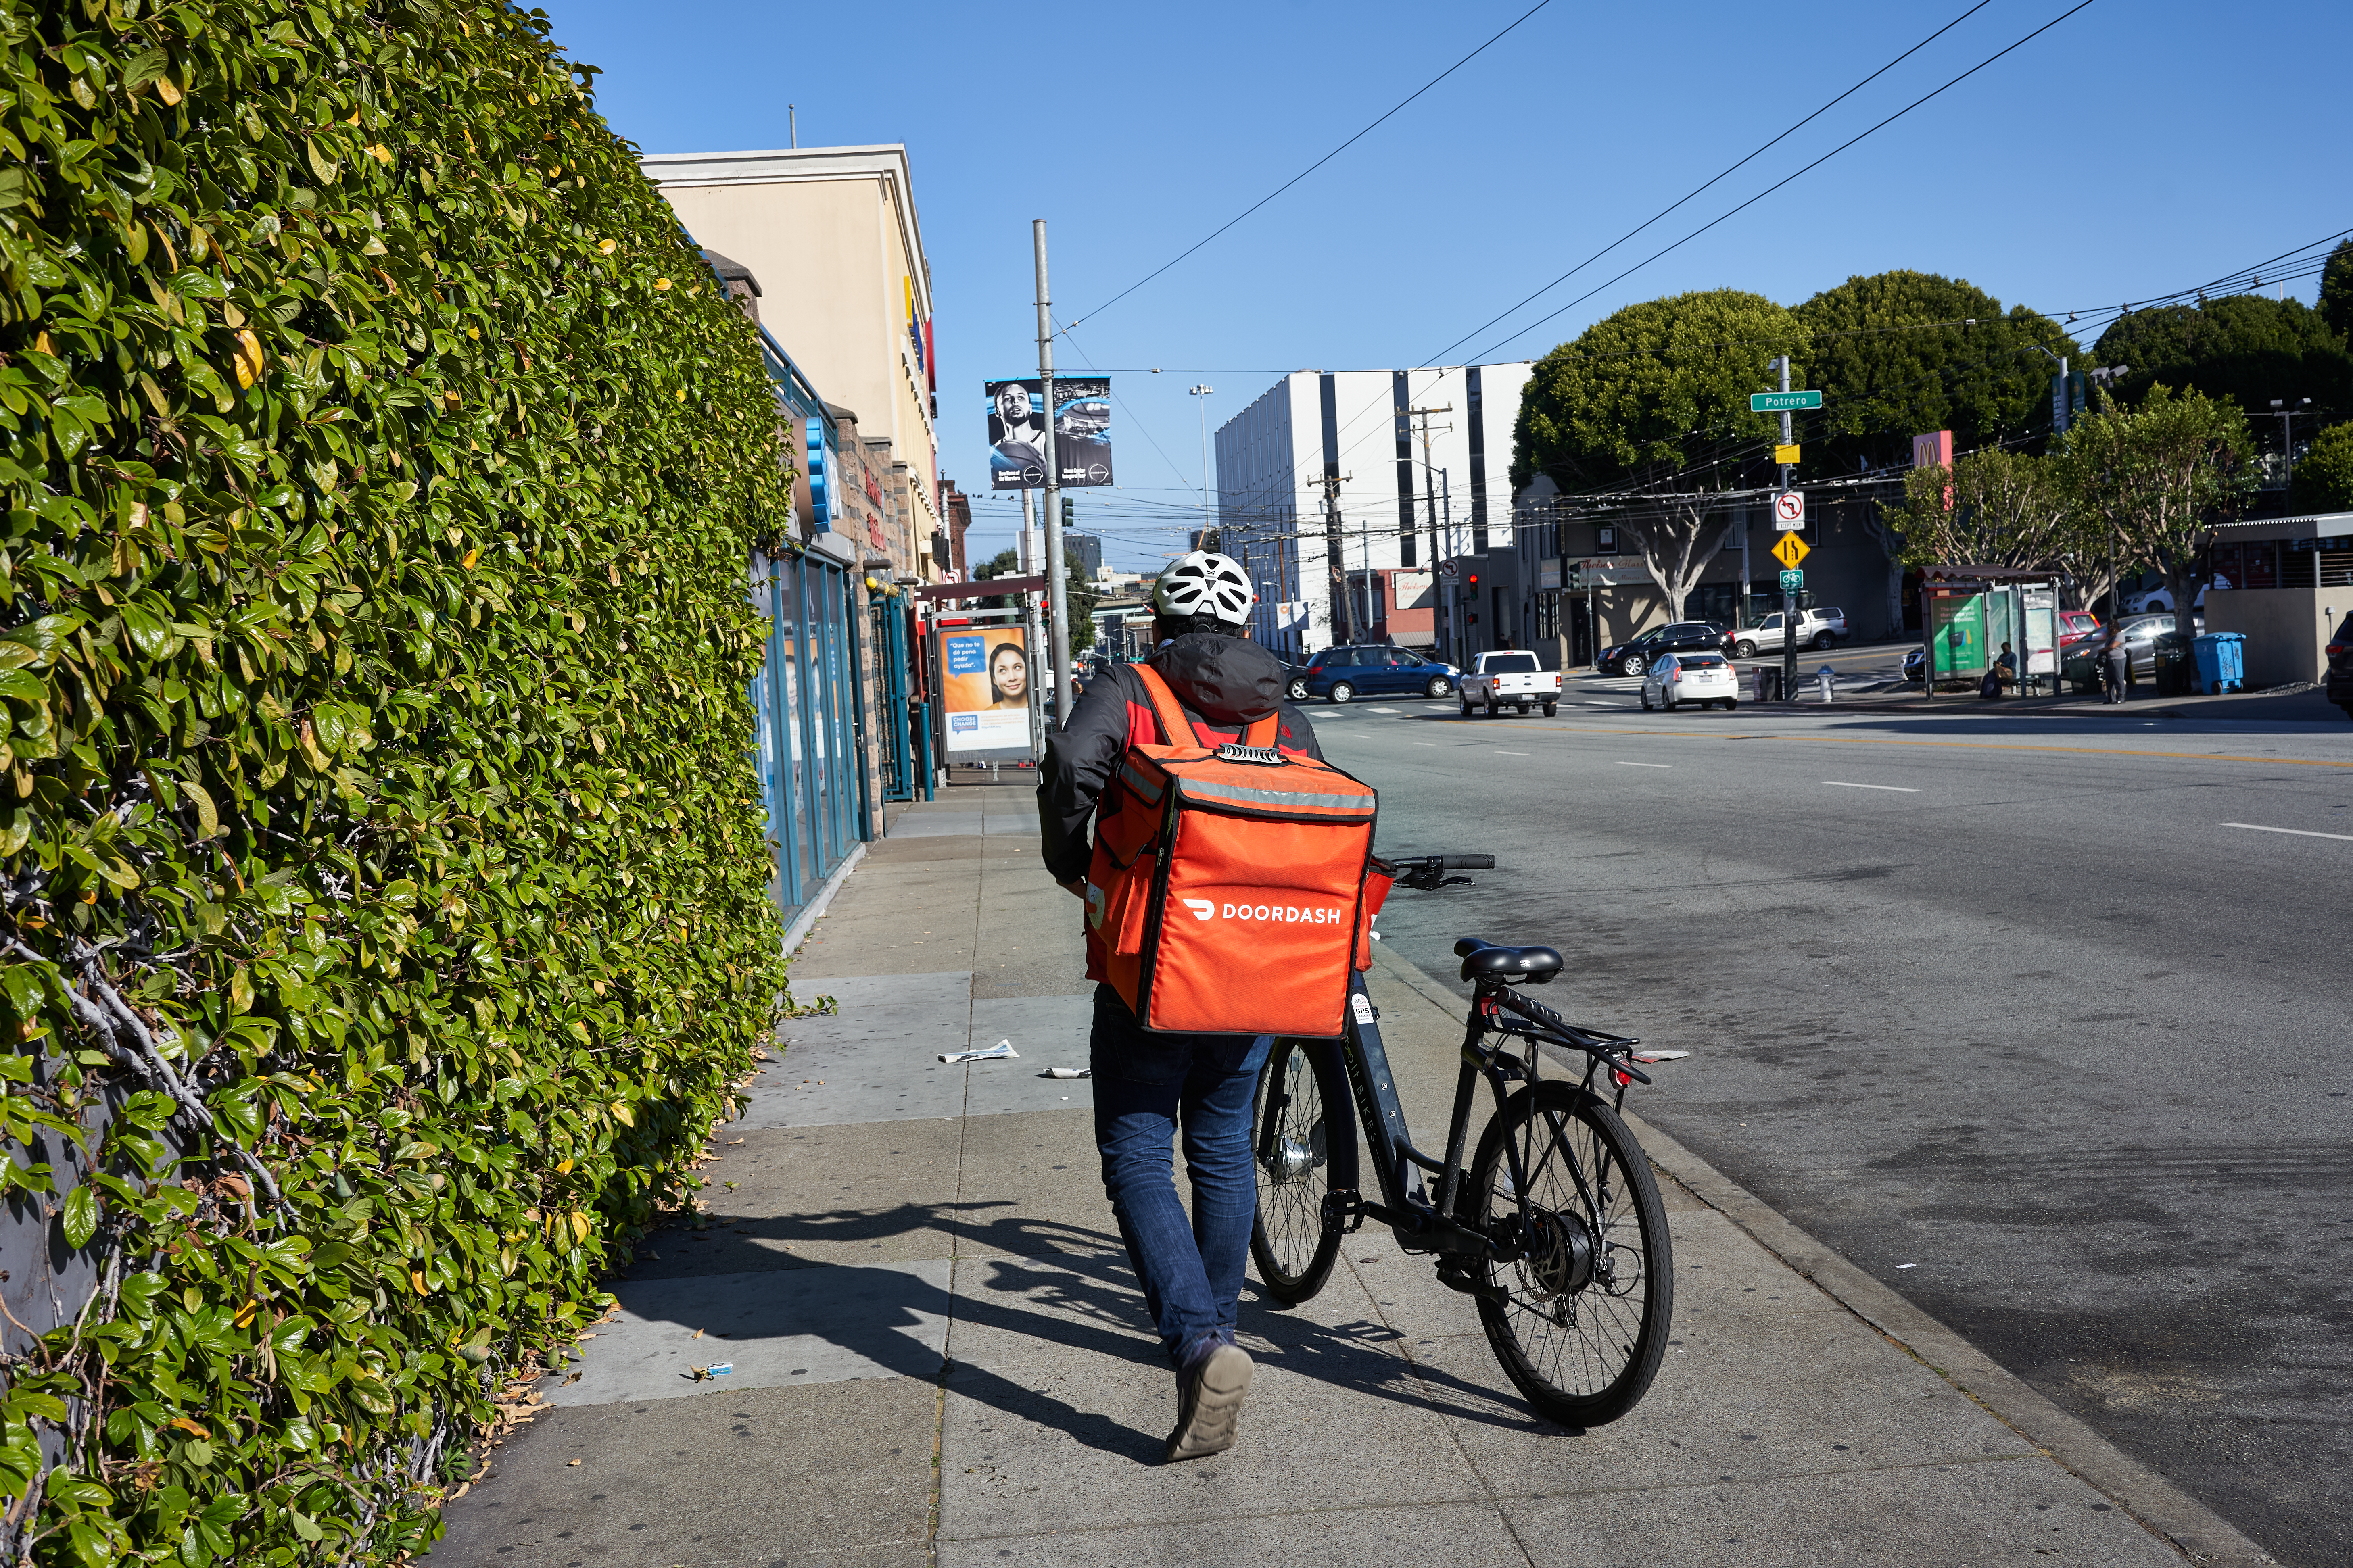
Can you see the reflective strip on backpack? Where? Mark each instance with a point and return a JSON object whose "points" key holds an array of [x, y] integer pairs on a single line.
{"points": [[1144, 787], [1204, 791]]}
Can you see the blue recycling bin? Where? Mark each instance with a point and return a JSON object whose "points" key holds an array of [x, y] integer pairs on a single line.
{"points": [[2223, 662]]}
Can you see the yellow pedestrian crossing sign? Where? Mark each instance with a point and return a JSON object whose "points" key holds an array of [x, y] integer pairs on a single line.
{"points": [[1791, 550]]}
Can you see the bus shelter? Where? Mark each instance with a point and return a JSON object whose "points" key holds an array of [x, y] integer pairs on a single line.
{"points": [[1969, 611]]}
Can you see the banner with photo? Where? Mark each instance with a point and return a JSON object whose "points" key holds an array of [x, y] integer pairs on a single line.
{"points": [[1016, 432], [985, 688]]}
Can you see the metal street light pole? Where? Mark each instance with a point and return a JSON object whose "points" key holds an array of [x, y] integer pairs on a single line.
{"points": [[1788, 596], [1202, 400], [1056, 591]]}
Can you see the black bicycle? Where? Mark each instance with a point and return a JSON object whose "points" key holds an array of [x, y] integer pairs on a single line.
{"points": [[1556, 1227]]}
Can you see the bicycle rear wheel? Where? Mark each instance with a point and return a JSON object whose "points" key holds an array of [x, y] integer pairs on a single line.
{"points": [[1303, 1143], [1579, 1318]]}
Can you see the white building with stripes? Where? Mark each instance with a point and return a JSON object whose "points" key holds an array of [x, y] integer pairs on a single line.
{"points": [[1345, 491]]}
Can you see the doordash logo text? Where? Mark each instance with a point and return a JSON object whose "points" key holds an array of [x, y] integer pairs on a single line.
{"points": [[1273, 914]]}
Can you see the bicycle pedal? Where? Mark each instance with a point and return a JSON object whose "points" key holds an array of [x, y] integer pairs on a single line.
{"points": [[1344, 1210]]}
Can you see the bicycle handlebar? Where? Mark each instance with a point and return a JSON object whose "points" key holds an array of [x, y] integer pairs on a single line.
{"points": [[1428, 872], [1466, 862]]}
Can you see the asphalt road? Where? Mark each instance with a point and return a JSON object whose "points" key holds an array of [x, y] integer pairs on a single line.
{"points": [[2036, 1006]]}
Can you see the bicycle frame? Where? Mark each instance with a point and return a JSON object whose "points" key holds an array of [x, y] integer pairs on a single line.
{"points": [[1405, 1206]]}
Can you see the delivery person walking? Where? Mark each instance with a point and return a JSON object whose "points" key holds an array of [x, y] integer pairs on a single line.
{"points": [[1149, 1083]]}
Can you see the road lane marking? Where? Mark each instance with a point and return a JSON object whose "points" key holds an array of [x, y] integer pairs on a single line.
{"points": [[1501, 753], [2298, 832], [1380, 710], [1326, 713], [1425, 742], [1646, 764], [1653, 734], [1898, 789]]}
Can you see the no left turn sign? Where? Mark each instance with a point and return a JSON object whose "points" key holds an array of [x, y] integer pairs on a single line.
{"points": [[1790, 511]]}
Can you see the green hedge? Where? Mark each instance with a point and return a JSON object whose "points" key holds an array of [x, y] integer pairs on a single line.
{"points": [[386, 889]]}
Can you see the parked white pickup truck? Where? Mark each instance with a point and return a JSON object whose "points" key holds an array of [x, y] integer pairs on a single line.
{"points": [[1510, 677]]}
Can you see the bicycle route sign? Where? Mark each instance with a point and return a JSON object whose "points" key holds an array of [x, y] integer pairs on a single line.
{"points": [[1792, 580]]}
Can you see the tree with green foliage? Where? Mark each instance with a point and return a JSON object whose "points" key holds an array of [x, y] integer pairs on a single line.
{"points": [[2324, 475], [386, 919], [2336, 292], [1901, 353], [1654, 399], [1992, 508], [1904, 354], [2160, 477], [2248, 348]]}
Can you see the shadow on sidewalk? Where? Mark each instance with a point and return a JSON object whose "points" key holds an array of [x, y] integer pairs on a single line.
{"points": [[1043, 1286]]}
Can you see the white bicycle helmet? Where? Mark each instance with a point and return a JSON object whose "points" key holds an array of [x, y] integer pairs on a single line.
{"points": [[1204, 583]]}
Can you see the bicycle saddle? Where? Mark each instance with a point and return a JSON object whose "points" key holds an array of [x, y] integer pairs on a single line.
{"points": [[1484, 960]]}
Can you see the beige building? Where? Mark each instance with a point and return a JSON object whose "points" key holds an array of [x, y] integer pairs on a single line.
{"points": [[831, 234]]}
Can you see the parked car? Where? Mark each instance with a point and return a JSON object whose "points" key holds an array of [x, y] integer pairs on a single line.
{"points": [[1677, 637], [2158, 600], [2079, 661], [1701, 678], [2075, 624], [1816, 628], [1510, 677], [2339, 685], [1375, 669], [1294, 680]]}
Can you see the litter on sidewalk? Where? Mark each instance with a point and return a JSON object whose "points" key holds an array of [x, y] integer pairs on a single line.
{"points": [[1068, 1072], [1001, 1051]]}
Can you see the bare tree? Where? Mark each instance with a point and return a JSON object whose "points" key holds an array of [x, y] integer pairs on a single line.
{"points": [[1679, 540]]}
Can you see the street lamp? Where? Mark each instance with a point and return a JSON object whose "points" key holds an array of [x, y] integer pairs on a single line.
{"points": [[1201, 395]]}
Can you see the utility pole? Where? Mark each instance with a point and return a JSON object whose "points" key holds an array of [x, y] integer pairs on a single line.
{"points": [[1056, 591], [1201, 400], [1335, 558], [2287, 435], [1788, 596], [1429, 477]]}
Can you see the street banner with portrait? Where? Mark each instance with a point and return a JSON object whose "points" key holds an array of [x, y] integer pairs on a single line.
{"points": [[985, 688], [1017, 433]]}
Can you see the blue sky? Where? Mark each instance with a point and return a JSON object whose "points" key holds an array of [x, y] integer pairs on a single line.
{"points": [[2134, 149]]}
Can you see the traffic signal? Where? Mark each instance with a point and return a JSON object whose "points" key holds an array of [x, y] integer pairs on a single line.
{"points": [[1070, 514]]}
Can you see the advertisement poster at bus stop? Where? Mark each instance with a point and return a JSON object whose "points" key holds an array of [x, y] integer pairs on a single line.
{"points": [[984, 689]]}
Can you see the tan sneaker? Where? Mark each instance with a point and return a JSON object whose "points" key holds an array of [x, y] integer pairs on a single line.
{"points": [[1212, 1405]]}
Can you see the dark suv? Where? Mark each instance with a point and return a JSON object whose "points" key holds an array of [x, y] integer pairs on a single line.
{"points": [[2340, 666], [1676, 637]]}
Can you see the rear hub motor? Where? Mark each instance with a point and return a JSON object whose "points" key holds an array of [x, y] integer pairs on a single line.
{"points": [[1558, 1260]]}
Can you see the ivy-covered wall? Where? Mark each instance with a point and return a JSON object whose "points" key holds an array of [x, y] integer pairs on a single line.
{"points": [[385, 920]]}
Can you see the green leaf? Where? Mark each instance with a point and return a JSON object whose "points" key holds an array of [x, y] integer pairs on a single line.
{"points": [[78, 1219]]}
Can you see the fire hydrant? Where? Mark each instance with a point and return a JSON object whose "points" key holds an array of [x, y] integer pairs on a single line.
{"points": [[1827, 679]]}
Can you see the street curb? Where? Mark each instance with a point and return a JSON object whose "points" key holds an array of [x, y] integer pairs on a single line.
{"points": [[805, 922], [2156, 1504]]}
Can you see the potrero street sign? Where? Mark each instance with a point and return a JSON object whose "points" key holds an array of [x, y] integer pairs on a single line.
{"points": [[1776, 402]]}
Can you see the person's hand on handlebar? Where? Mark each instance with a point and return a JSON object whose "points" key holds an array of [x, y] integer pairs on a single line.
{"points": [[1076, 887]]}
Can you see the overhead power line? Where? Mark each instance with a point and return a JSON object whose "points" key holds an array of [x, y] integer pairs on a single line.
{"points": [[1440, 357], [1311, 168], [1777, 185]]}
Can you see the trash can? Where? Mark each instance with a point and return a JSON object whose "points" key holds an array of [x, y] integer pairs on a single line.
{"points": [[2175, 671], [2223, 662], [1768, 683]]}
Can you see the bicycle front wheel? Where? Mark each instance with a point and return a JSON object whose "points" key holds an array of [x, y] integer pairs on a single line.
{"points": [[1303, 1145], [1578, 1312]]}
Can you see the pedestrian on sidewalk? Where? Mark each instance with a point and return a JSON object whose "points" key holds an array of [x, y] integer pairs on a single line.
{"points": [[2118, 659], [1148, 1083]]}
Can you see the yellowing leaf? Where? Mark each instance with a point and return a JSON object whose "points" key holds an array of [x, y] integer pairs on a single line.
{"points": [[245, 1315], [661, 283], [248, 359], [622, 1114], [416, 1278], [382, 154], [608, 246], [184, 1424], [167, 89], [579, 1226], [471, 556], [563, 1166]]}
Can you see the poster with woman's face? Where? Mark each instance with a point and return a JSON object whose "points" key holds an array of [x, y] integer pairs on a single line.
{"points": [[984, 688]]}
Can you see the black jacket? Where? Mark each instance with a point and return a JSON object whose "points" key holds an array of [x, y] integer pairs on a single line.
{"points": [[1224, 684]]}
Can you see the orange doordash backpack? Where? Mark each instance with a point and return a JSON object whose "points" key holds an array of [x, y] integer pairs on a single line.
{"points": [[1226, 891]]}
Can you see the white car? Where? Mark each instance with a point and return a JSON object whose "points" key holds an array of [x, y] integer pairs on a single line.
{"points": [[1816, 628], [1510, 677], [1701, 678], [2159, 601]]}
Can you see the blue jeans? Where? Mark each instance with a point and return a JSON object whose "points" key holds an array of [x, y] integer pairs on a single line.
{"points": [[1145, 1084]]}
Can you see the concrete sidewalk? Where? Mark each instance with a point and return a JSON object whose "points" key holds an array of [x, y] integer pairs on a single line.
{"points": [[940, 1353]]}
